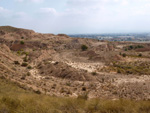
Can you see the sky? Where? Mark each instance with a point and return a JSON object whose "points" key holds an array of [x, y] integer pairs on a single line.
{"points": [[77, 16]]}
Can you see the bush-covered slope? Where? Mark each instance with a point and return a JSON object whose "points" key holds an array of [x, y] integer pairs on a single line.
{"points": [[13, 99]]}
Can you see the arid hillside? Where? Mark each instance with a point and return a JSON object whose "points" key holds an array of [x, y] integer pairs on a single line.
{"points": [[63, 66]]}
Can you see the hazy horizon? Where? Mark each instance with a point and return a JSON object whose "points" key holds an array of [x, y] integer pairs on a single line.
{"points": [[77, 16]]}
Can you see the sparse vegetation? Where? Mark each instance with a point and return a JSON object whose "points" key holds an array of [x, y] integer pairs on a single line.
{"points": [[16, 62], [94, 73], [124, 55], [84, 88], [19, 52], [24, 64], [16, 100], [28, 73], [133, 47], [22, 52], [84, 47], [22, 42], [29, 67], [140, 68], [68, 84], [25, 59], [71, 67], [140, 55]]}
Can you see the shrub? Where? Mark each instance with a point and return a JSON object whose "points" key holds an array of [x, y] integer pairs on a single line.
{"points": [[28, 73], [130, 47], [140, 46], [19, 52], [118, 71], [83, 88], [125, 49], [140, 55], [14, 98], [124, 55], [29, 67], [26, 53], [84, 47], [21, 42], [24, 64], [25, 59], [16, 62], [68, 84], [94, 73]]}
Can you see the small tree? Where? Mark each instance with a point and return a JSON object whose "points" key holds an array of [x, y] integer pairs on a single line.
{"points": [[140, 55], [124, 55], [25, 59], [22, 42], [29, 67], [130, 47], [84, 47], [126, 49]]}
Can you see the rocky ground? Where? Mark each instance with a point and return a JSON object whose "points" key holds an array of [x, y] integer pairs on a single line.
{"points": [[59, 65]]}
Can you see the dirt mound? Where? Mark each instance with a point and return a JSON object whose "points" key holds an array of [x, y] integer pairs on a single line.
{"points": [[59, 69], [9, 29], [89, 53], [105, 47], [17, 47], [73, 44], [13, 33], [63, 35]]}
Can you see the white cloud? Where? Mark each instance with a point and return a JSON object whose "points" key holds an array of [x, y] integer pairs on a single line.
{"points": [[4, 13], [20, 15], [48, 11], [80, 16], [2, 10], [125, 2]]}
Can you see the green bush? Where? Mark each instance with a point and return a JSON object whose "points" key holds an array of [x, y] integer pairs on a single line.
{"points": [[22, 42], [16, 62], [124, 55], [84, 47], [94, 73], [139, 68], [24, 64], [25, 59], [29, 67], [132, 47], [140, 55]]}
